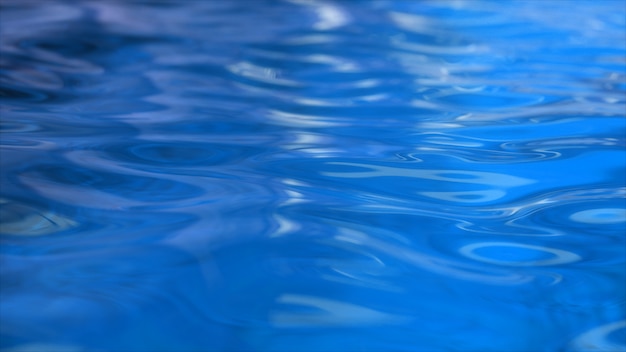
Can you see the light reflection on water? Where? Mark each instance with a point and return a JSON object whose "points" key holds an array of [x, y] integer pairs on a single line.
{"points": [[312, 176]]}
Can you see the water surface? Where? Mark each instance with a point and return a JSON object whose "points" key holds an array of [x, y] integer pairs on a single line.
{"points": [[313, 176]]}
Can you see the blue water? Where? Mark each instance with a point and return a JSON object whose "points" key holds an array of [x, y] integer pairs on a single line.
{"points": [[313, 176]]}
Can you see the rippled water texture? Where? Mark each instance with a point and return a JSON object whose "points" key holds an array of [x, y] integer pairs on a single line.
{"points": [[313, 176]]}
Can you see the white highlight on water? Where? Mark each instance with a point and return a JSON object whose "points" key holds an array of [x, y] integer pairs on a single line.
{"points": [[600, 216]]}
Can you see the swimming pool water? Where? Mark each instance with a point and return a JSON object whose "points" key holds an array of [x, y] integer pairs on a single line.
{"points": [[256, 175]]}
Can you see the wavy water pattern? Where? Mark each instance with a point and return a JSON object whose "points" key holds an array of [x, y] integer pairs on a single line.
{"points": [[312, 175]]}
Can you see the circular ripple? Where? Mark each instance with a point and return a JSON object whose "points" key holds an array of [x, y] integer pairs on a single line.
{"points": [[518, 254]]}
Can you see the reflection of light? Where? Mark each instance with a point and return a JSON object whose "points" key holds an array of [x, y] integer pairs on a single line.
{"points": [[453, 142], [303, 139], [600, 216], [438, 125], [285, 226], [597, 339], [369, 270], [427, 24], [294, 197], [470, 89], [313, 102], [462, 176], [19, 219], [467, 196], [294, 182], [330, 17], [438, 49], [561, 256], [339, 64], [367, 83], [412, 22], [433, 264], [310, 39], [329, 312], [300, 120], [259, 73]]}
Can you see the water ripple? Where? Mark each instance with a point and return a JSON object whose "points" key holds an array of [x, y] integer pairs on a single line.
{"points": [[312, 175], [598, 339], [78, 185]]}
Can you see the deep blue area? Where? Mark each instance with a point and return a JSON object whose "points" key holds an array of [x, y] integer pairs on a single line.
{"points": [[299, 175]]}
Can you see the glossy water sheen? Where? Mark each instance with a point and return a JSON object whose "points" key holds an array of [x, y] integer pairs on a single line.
{"points": [[313, 176]]}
